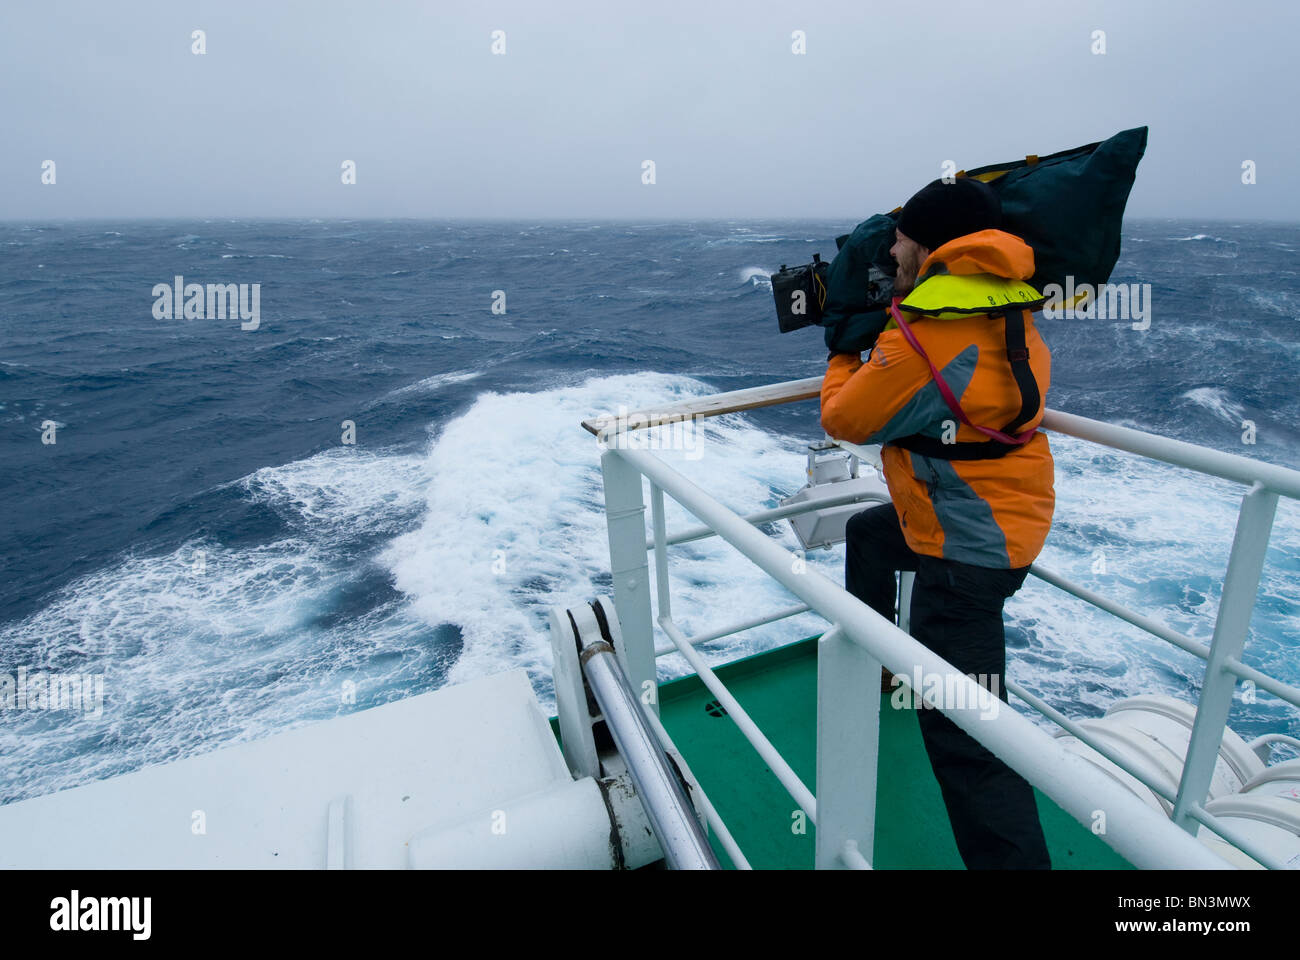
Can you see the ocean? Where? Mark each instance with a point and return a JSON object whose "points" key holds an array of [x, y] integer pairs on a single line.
{"points": [[200, 535]]}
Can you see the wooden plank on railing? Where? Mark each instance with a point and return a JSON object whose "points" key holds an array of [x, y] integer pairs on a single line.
{"points": [[711, 406]]}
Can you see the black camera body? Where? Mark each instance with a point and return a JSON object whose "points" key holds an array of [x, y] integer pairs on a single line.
{"points": [[800, 294]]}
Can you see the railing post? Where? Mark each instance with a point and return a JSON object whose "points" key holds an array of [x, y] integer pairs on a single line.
{"points": [[906, 579], [661, 551], [848, 743], [625, 522], [1240, 586]]}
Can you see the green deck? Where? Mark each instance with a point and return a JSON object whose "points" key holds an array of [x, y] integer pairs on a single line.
{"points": [[779, 691]]}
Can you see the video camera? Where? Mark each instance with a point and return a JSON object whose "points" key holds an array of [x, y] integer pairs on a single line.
{"points": [[800, 293]]}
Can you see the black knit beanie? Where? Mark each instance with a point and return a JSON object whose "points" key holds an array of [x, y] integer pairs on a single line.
{"points": [[940, 211]]}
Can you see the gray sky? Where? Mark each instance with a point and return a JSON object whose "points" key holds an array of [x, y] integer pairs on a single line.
{"points": [[737, 124]]}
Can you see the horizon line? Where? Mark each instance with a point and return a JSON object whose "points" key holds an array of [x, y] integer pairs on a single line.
{"points": [[538, 219]]}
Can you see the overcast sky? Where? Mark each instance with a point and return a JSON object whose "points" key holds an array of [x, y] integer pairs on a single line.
{"points": [[736, 123]]}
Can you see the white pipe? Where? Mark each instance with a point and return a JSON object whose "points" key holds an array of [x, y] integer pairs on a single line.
{"points": [[1141, 621], [724, 836], [1229, 466], [853, 857], [1273, 738], [771, 756], [666, 805], [702, 532], [1283, 691], [661, 553], [735, 628], [1072, 727]]}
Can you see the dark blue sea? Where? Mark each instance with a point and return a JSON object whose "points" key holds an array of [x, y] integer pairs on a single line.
{"points": [[199, 534]]}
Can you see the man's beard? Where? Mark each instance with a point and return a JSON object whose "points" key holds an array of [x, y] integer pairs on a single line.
{"points": [[904, 280], [905, 276]]}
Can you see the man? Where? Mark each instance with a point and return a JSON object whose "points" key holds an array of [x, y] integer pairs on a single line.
{"points": [[971, 479]]}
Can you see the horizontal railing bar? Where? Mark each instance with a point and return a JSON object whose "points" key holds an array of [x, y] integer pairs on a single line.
{"points": [[703, 532], [1152, 626], [1142, 836], [801, 795], [1149, 624], [714, 405], [1228, 466], [736, 628], [728, 842], [1282, 691]]}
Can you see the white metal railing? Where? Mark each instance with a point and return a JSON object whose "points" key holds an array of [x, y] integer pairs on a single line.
{"points": [[859, 642]]}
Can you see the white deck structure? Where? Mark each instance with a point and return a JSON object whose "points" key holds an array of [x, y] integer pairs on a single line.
{"points": [[424, 781]]}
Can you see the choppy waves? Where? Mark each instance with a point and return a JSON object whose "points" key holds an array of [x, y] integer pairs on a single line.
{"points": [[398, 569]]}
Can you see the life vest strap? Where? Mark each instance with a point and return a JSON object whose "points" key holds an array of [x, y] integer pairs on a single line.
{"points": [[962, 450], [1018, 355]]}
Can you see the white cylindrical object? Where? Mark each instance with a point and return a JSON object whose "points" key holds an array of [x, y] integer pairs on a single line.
{"points": [[1279, 780], [1170, 721], [1152, 733], [1123, 778], [1271, 823]]}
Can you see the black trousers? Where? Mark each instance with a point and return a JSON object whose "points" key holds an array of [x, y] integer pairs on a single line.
{"points": [[956, 612]]}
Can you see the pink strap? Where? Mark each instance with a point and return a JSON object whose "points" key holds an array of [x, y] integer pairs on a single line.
{"points": [[948, 396]]}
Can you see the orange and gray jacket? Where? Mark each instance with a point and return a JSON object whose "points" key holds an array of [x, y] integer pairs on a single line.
{"points": [[990, 509]]}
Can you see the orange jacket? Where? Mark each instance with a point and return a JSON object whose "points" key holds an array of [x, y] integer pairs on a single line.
{"points": [[990, 513]]}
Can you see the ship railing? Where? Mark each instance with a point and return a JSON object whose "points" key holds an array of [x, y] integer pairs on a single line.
{"points": [[859, 641]]}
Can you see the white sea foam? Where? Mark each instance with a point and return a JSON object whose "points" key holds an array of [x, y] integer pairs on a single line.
{"points": [[758, 276], [195, 655], [1277, 302], [501, 518], [208, 645], [438, 381], [1217, 401], [746, 238], [516, 526], [343, 489]]}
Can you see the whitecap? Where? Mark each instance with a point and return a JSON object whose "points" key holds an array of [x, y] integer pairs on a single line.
{"points": [[1217, 401]]}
